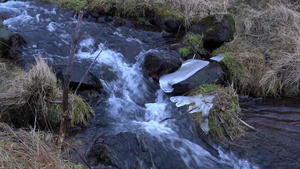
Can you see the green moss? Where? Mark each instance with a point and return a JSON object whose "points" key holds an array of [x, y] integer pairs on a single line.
{"points": [[231, 24], [225, 108], [196, 40], [75, 166], [207, 21], [185, 51]]}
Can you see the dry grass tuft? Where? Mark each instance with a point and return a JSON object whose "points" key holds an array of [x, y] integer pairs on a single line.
{"points": [[22, 149], [283, 76], [32, 98], [274, 30]]}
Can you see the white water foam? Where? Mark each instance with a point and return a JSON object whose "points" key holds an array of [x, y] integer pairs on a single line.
{"points": [[22, 19]]}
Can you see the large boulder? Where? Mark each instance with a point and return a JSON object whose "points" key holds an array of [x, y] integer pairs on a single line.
{"points": [[217, 29], [90, 82], [158, 65], [128, 150], [212, 74]]}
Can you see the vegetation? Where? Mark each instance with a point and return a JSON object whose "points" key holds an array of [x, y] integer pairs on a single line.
{"points": [[264, 29], [226, 108], [196, 40], [72, 4], [185, 51], [29, 149], [34, 98], [187, 10]]}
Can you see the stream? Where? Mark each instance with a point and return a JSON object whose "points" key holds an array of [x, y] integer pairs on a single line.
{"points": [[128, 112]]}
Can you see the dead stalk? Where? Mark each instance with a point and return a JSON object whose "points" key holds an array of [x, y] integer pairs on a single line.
{"points": [[65, 113]]}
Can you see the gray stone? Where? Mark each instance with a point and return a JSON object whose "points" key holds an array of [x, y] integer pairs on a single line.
{"points": [[158, 65], [90, 82], [212, 74]]}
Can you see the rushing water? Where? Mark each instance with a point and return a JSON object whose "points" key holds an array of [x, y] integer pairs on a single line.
{"points": [[131, 103]]}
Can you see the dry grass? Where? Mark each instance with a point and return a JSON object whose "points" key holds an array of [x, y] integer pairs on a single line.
{"points": [[265, 27], [35, 94], [188, 10], [283, 76], [22, 149]]}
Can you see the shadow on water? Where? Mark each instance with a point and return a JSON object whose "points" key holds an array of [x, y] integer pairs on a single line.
{"points": [[275, 144]]}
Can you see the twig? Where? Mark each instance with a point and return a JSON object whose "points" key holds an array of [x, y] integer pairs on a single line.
{"points": [[178, 115], [243, 121], [224, 126], [85, 162], [65, 104], [85, 75]]}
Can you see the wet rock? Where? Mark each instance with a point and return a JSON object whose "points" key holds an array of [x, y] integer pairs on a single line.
{"points": [[4, 15], [108, 19], [159, 65], [127, 150], [90, 82], [11, 45], [5, 35], [108, 150], [106, 73], [168, 24], [212, 73], [95, 14], [217, 29], [17, 42]]}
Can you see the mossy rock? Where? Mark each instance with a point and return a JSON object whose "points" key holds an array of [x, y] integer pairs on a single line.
{"points": [[216, 29]]}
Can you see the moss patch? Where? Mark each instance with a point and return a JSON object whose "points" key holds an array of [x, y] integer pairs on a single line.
{"points": [[231, 24], [196, 40], [185, 52], [226, 107]]}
